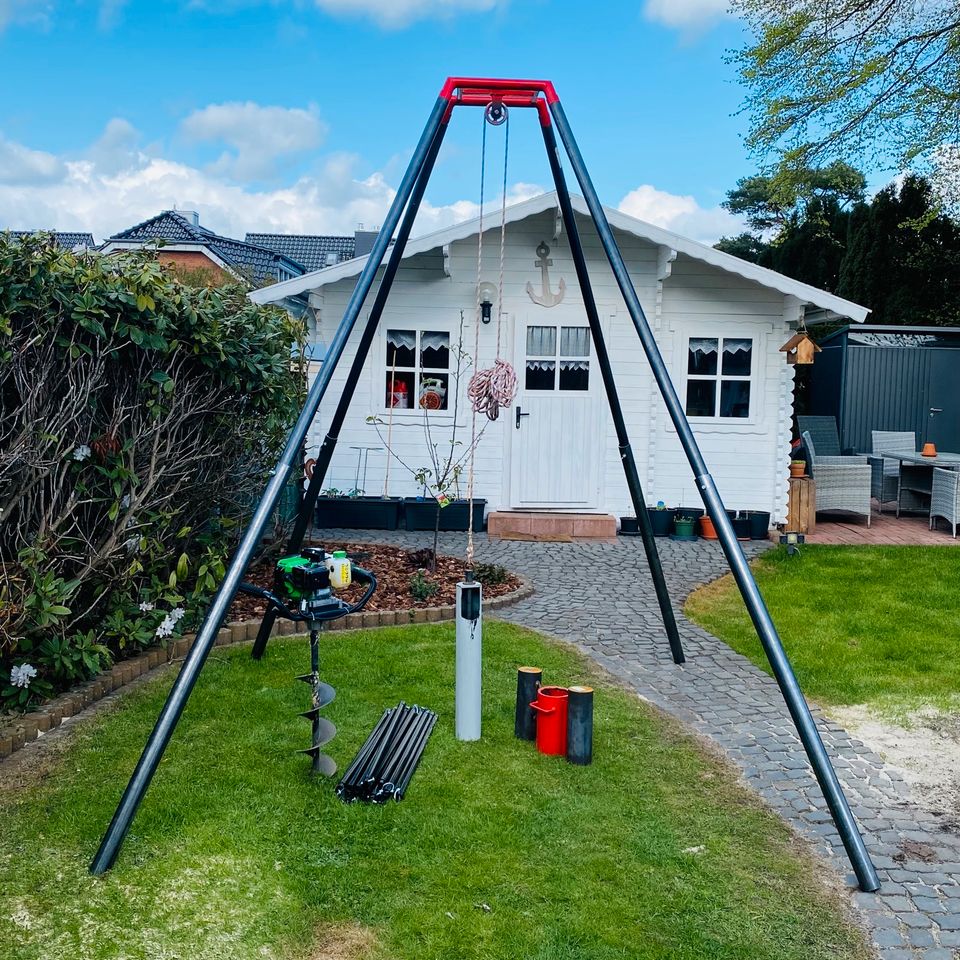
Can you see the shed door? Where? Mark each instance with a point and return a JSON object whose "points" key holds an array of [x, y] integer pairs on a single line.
{"points": [[943, 416], [556, 441]]}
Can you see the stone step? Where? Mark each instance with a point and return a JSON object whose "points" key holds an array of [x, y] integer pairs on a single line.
{"points": [[544, 525]]}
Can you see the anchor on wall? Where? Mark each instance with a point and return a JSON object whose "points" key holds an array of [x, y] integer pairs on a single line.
{"points": [[547, 298]]}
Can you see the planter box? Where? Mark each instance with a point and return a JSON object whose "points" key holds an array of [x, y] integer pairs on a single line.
{"points": [[359, 513], [661, 521], [629, 527], [422, 514], [759, 524]]}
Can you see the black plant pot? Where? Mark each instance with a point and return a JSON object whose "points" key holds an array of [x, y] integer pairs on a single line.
{"points": [[359, 513], [661, 521], [422, 514], [759, 524], [629, 527]]}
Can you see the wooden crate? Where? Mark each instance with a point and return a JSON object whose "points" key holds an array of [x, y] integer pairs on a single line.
{"points": [[802, 505]]}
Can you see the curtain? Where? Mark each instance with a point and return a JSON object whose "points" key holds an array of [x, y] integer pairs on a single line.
{"points": [[574, 341], [402, 339], [541, 341]]}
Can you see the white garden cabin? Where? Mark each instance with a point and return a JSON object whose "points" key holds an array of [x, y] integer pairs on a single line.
{"points": [[719, 321]]}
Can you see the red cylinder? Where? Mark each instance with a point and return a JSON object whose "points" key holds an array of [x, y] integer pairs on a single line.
{"points": [[551, 709]]}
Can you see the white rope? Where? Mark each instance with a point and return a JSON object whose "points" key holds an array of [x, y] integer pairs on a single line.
{"points": [[495, 387]]}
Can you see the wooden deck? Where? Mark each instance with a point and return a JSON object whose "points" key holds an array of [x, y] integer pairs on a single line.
{"points": [[884, 529]]}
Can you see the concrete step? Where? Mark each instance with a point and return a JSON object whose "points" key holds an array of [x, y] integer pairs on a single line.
{"points": [[544, 525]]}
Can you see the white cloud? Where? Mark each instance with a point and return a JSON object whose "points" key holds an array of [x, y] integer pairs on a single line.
{"points": [[682, 214], [110, 14], [21, 165], [25, 11], [685, 14], [400, 13], [256, 136]]}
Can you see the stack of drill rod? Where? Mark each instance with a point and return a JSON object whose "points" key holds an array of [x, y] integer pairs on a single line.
{"points": [[381, 771]]}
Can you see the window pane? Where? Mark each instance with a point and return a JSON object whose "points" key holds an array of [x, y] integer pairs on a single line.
{"points": [[434, 350], [702, 357], [541, 341], [735, 398], [398, 389], [401, 348], [574, 342], [541, 374], [701, 398], [736, 357], [574, 375], [432, 394]]}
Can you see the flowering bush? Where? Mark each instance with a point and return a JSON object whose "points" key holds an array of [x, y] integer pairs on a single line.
{"points": [[139, 418]]}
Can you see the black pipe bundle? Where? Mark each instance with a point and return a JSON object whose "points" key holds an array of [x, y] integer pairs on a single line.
{"points": [[383, 767]]}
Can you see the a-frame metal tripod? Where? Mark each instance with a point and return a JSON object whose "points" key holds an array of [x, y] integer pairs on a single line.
{"points": [[541, 96]]}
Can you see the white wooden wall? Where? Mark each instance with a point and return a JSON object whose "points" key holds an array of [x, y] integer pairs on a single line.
{"points": [[748, 459]]}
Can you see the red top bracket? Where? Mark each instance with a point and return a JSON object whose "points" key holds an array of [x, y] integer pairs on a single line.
{"points": [[480, 91]]}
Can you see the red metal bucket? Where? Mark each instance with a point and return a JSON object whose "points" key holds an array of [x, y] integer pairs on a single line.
{"points": [[551, 708]]}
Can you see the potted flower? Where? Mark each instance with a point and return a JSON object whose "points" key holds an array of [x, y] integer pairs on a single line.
{"points": [[798, 468], [683, 524], [661, 519]]}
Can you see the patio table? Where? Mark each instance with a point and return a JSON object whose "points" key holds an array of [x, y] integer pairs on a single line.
{"points": [[916, 476]]}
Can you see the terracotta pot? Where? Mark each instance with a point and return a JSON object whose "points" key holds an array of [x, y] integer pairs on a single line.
{"points": [[798, 469], [707, 529], [929, 450]]}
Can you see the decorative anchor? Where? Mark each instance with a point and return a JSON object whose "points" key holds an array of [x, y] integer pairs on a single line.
{"points": [[547, 298]]}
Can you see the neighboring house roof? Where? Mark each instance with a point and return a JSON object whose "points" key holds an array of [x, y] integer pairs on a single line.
{"points": [[828, 305], [250, 261], [312, 250], [66, 240]]}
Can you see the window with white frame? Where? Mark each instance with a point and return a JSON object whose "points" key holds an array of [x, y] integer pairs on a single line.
{"points": [[557, 362], [718, 377], [418, 369]]}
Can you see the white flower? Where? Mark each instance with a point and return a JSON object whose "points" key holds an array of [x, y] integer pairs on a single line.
{"points": [[177, 613], [82, 452], [132, 545], [125, 502], [146, 607], [166, 626], [22, 675]]}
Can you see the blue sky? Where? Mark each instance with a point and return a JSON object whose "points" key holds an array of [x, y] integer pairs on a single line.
{"points": [[300, 116]]}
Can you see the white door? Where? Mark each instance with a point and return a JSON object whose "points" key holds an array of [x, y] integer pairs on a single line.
{"points": [[556, 438]]}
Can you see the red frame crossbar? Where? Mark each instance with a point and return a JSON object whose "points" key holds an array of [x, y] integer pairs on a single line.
{"points": [[482, 91]]}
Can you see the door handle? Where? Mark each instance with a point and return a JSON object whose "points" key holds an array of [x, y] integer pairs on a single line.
{"points": [[519, 415], [935, 410]]}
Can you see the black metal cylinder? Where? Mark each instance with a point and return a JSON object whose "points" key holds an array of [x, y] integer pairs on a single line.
{"points": [[528, 683], [580, 725]]}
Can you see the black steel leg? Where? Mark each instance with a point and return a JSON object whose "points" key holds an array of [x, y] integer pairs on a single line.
{"points": [[183, 686], [767, 632], [616, 411], [329, 444]]}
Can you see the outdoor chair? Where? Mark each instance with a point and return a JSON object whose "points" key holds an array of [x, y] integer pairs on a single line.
{"points": [[824, 433], [885, 483], [945, 498], [842, 483]]}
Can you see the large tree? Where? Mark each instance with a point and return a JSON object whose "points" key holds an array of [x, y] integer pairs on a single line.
{"points": [[874, 79]]}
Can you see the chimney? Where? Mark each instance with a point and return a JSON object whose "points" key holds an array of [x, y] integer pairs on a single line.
{"points": [[363, 241], [191, 216]]}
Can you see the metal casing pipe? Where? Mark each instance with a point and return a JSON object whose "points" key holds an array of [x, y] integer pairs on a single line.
{"points": [[469, 665], [580, 725], [528, 683]]}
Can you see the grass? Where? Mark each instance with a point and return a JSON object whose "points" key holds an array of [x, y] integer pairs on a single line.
{"points": [[862, 625], [654, 851]]}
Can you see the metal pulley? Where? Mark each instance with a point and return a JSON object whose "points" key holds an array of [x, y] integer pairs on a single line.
{"points": [[496, 113]]}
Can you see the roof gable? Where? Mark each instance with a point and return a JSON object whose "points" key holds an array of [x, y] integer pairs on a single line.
{"points": [[806, 294]]}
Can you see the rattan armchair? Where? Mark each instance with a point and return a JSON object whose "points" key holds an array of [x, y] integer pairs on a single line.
{"points": [[842, 483], [885, 483], [945, 498], [823, 430]]}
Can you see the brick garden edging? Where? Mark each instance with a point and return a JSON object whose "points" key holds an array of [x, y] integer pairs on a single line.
{"points": [[17, 733]]}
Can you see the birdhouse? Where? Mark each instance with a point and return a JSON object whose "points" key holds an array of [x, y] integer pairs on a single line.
{"points": [[800, 348]]}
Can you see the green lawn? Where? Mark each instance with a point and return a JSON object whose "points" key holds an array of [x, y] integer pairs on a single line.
{"points": [[496, 852], [862, 625]]}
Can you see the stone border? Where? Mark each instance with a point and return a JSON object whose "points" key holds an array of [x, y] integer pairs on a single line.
{"points": [[16, 733]]}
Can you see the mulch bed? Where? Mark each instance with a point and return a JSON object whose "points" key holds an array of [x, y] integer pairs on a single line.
{"points": [[392, 567]]}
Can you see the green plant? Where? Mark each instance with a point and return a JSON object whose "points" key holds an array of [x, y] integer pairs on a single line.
{"points": [[421, 588], [139, 418], [490, 574]]}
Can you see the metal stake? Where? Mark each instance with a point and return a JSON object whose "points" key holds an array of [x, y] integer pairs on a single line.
{"points": [[767, 632], [192, 665], [610, 387]]}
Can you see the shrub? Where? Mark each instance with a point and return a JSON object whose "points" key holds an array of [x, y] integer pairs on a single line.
{"points": [[490, 574], [421, 588], [139, 418]]}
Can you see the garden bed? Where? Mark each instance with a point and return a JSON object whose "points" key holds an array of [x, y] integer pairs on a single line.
{"points": [[393, 567]]}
